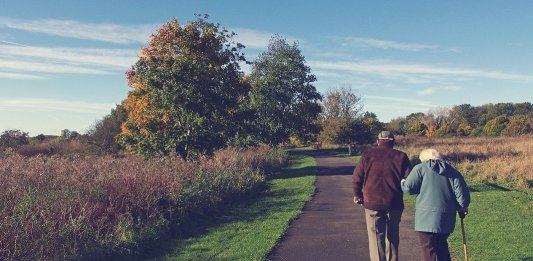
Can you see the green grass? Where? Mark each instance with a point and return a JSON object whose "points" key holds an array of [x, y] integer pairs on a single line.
{"points": [[250, 230], [499, 225]]}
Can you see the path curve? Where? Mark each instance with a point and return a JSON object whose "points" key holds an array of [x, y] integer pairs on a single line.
{"points": [[331, 227]]}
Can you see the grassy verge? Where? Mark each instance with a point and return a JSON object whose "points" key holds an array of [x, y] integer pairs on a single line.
{"points": [[249, 231], [498, 227]]}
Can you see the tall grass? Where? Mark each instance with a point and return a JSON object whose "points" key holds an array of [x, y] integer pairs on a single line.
{"points": [[249, 231], [62, 208], [505, 160]]}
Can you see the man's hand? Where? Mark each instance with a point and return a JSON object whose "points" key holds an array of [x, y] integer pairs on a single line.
{"points": [[462, 212], [357, 200]]}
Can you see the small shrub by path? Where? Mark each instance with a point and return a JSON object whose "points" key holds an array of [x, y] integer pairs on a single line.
{"points": [[498, 227], [249, 231]]}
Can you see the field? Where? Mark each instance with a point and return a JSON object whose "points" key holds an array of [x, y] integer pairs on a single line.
{"points": [[499, 174], [74, 207], [506, 161]]}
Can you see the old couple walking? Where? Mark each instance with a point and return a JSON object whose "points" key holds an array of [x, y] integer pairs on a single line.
{"points": [[379, 180]]}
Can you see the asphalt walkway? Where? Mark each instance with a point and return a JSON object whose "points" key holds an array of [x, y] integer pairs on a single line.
{"points": [[331, 227]]}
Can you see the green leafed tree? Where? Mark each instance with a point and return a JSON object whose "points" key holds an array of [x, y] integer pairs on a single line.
{"points": [[186, 88], [13, 138], [103, 133], [283, 96]]}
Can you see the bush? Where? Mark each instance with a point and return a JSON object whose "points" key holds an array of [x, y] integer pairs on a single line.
{"points": [[495, 126], [62, 208]]}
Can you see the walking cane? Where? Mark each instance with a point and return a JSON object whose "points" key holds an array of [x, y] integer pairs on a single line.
{"points": [[462, 215]]}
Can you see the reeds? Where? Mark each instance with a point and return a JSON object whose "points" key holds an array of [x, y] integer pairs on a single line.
{"points": [[482, 159], [71, 207]]}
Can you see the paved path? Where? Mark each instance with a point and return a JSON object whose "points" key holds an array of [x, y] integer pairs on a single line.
{"points": [[331, 227]]}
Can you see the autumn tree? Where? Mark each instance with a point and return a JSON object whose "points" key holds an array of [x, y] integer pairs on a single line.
{"points": [[495, 126], [186, 87], [283, 96], [518, 125]]}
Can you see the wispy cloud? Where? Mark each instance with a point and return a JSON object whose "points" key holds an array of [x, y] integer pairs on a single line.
{"points": [[40, 105], [20, 76], [255, 39], [48, 67], [121, 58], [396, 69], [10, 43], [390, 107], [433, 90], [16, 60], [113, 33], [252, 38], [384, 44]]}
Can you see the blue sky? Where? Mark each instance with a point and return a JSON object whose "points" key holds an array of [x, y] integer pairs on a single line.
{"points": [[62, 63]]}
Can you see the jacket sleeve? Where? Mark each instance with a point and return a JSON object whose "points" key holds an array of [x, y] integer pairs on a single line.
{"points": [[358, 178], [406, 166], [460, 189], [414, 181]]}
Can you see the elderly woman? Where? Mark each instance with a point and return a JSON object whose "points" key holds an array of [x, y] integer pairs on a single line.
{"points": [[442, 191]]}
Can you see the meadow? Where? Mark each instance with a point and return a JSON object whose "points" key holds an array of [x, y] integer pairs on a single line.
{"points": [[506, 161], [78, 207]]}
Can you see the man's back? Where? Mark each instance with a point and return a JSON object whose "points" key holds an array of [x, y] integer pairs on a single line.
{"points": [[379, 171]]}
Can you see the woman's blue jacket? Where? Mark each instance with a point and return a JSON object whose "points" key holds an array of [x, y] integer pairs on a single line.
{"points": [[441, 191]]}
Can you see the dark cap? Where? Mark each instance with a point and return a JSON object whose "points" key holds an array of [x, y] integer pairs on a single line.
{"points": [[386, 135]]}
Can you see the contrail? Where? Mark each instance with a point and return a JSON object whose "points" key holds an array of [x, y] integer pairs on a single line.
{"points": [[12, 43]]}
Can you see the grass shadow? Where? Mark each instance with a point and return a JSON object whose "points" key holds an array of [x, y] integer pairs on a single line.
{"points": [[462, 156], [483, 187], [201, 223]]}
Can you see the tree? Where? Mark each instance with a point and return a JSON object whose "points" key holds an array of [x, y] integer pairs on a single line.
{"points": [[518, 125], [13, 138], [341, 103], [186, 88], [463, 114], [40, 137], [340, 108], [417, 128], [495, 126], [398, 125], [283, 96], [68, 134], [104, 132]]}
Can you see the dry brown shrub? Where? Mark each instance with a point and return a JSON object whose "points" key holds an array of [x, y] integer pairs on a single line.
{"points": [[482, 159], [67, 207], [62, 147]]}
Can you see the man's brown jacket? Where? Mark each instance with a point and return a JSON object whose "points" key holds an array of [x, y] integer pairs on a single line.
{"points": [[376, 179]]}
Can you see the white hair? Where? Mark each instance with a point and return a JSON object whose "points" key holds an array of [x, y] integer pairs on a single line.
{"points": [[429, 154]]}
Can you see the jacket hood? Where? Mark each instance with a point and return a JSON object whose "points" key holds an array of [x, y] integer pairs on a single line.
{"points": [[438, 166]]}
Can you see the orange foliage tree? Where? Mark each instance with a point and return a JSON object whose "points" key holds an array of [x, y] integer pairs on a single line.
{"points": [[186, 91]]}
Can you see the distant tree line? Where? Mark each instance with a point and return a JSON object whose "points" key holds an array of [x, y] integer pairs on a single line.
{"points": [[509, 119]]}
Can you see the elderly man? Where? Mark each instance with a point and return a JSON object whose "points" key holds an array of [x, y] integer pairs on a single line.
{"points": [[376, 185], [442, 191]]}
